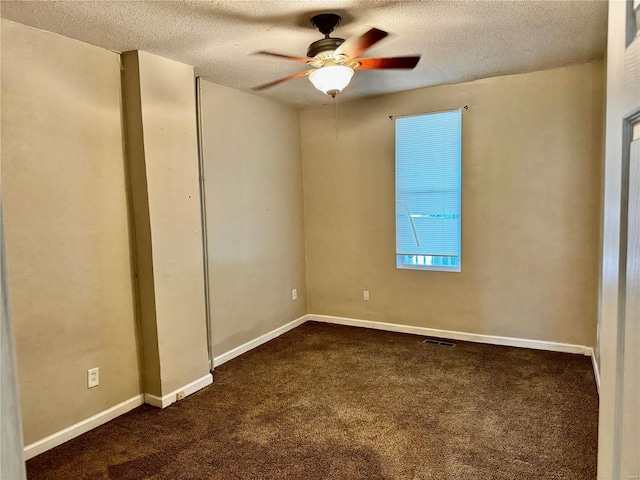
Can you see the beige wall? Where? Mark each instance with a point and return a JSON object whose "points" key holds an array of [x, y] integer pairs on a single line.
{"points": [[530, 209], [67, 235], [254, 214], [163, 153]]}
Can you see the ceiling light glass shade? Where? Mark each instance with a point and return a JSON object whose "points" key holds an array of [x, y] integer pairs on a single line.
{"points": [[332, 79]]}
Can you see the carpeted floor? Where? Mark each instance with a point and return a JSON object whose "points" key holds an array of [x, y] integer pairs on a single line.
{"points": [[334, 402]]}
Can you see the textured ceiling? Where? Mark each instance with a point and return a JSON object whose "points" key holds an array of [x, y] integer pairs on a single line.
{"points": [[458, 40]]}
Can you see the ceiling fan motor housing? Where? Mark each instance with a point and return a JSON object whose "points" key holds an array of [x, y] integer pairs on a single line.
{"points": [[325, 23], [326, 44]]}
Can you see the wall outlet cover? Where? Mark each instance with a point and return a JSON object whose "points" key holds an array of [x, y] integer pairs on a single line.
{"points": [[93, 377]]}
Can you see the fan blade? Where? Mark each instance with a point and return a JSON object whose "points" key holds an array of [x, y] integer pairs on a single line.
{"points": [[391, 62], [290, 77], [288, 57], [353, 47]]}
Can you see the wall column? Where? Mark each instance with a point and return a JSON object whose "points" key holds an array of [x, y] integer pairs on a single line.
{"points": [[162, 154]]}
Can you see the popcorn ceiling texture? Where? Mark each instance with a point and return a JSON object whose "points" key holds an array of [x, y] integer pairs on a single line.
{"points": [[458, 41]]}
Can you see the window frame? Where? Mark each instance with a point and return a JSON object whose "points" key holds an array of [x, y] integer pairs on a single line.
{"points": [[434, 268]]}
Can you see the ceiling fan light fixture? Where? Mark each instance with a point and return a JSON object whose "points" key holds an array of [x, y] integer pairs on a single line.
{"points": [[331, 79], [333, 60]]}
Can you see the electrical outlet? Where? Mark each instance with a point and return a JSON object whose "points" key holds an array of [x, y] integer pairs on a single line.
{"points": [[294, 294], [366, 295], [179, 396], [93, 377]]}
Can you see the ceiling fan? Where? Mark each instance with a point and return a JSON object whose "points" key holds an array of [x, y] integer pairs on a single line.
{"points": [[334, 60]]}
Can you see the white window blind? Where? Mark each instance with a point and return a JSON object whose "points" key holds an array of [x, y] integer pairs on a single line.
{"points": [[428, 182]]}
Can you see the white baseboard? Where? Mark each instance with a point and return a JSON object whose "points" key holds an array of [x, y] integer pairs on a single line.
{"points": [[188, 389], [66, 434], [84, 426], [256, 342], [596, 369], [453, 335]]}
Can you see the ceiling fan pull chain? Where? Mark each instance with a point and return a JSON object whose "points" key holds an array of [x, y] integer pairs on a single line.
{"points": [[335, 103]]}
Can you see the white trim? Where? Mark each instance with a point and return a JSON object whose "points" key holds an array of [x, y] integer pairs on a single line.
{"points": [[66, 434], [256, 342], [153, 400], [596, 369], [188, 389], [58, 438], [403, 266], [453, 335]]}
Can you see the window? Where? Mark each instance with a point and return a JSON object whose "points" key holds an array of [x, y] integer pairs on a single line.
{"points": [[428, 181]]}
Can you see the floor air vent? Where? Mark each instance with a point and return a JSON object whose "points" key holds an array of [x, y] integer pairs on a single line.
{"points": [[442, 343]]}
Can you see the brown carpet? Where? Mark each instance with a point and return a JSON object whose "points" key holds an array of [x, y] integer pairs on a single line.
{"points": [[334, 402]]}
